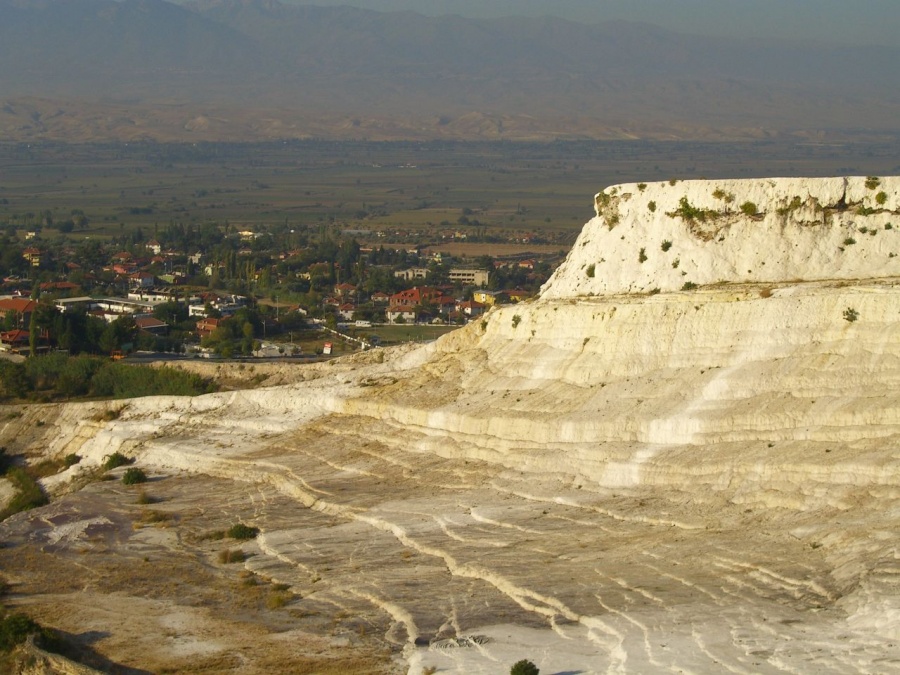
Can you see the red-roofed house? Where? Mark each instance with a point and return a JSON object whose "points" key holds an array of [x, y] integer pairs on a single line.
{"points": [[346, 311], [58, 286], [471, 308], [345, 290], [13, 340], [404, 303], [152, 325], [21, 307], [141, 280], [205, 327]]}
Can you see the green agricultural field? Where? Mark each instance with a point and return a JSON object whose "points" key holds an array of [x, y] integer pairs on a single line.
{"points": [[410, 193]]}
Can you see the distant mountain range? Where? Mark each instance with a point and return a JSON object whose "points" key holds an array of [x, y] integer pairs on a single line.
{"points": [[246, 69]]}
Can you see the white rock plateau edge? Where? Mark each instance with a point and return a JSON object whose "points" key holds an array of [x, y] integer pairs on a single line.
{"points": [[683, 457]]}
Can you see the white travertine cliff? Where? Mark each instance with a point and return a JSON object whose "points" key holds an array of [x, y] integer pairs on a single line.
{"points": [[607, 479], [662, 235]]}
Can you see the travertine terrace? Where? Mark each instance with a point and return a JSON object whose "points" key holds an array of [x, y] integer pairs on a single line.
{"points": [[682, 457]]}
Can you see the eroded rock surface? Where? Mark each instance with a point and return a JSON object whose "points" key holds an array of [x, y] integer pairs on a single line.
{"points": [[683, 481]]}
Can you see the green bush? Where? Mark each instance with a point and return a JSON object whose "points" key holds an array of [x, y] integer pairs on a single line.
{"points": [[71, 460], [133, 476], [590, 270], [881, 198], [872, 182], [14, 629], [688, 286], [749, 209], [516, 320], [850, 315], [241, 531], [642, 255], [115, 460], [666, 245], [689, 212], [652, 206], [28, 493], [524, 667]]}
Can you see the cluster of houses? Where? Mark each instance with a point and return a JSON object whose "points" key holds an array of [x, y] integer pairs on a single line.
{"points": [[138, 305], [134, 278], [421, 303]]}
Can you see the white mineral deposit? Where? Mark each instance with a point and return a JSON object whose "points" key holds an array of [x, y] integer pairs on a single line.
{"points": [[683, 457]]}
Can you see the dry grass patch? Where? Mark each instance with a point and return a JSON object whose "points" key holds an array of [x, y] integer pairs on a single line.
{"points": [[232, 555], [159, 518]]}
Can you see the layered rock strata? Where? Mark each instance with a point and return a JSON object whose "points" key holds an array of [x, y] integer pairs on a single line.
{"points": [[619, 476]]}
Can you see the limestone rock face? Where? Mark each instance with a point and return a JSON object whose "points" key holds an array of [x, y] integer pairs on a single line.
{"points": [[663, 235], [602, 480]]}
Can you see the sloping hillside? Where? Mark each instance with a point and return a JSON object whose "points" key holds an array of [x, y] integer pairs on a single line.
{"points": [[606, 479]]}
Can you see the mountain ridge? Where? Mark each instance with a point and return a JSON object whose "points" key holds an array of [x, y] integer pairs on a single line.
{"points": [[298, 62]]}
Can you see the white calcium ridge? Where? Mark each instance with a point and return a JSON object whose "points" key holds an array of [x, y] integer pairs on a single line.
{"points": [[734, 231]]}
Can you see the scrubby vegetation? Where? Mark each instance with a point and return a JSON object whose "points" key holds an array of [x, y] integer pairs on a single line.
{"points": [[727, 197], [28, 493], [689, 212], [793, 205], [242, 532], [524, 667], [14, 629], [115, 460], [61, 376], [229, 556], [133, 476]]}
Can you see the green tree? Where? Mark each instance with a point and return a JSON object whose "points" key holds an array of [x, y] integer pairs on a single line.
{"points": [[172, 313], [13, 379]]}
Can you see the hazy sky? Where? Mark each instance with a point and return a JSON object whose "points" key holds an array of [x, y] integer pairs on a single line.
{"points": [[848, 21]]}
